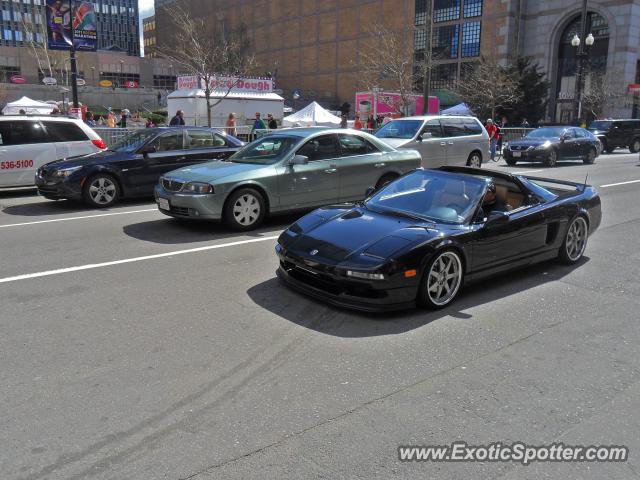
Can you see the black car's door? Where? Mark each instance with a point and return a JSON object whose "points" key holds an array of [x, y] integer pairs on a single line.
{"points": [[618, 134], [207, 145], [568, 145], [583, 140], [522, 236], [168, 154]]}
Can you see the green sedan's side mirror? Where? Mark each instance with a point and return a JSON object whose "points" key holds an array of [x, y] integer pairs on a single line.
{"points": [[497, 219], [299, 160]]}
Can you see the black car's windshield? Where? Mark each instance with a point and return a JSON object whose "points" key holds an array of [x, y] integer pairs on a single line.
{"points": [[133, 142], [600, 125], [546, 132], [438, 196], [404, 129], [266, 150]]}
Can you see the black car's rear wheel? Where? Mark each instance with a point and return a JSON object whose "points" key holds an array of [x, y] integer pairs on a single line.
{"points": [[635, 145], [441, 280], [590, 157], [245, 209], [101, 191], [551, 159], [575, 241]]}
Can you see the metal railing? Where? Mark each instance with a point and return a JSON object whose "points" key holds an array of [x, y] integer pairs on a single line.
{"points": [[509, 134]]}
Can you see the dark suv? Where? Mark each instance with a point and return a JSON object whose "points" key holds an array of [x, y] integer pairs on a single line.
{"points": [[617, 133]]}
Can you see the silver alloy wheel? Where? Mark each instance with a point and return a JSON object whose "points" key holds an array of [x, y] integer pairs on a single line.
{"points": [[576, 239], [475, 161], [636, 146], [246, 210], [102, 191], [553, 158], [444, 278]]}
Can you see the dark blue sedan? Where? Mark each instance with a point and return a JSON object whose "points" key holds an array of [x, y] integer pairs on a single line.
{"points": [[132, 167]]}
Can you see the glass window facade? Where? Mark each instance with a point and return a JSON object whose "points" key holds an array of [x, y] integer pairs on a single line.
{"points": [[445, 41], [472, 8], [446, 10], [470, 45], [444, 76]]}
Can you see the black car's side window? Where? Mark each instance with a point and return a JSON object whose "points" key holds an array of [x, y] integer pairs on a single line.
{"points": [[319, 148], [168, 142], [355, 145], [204, 139]]}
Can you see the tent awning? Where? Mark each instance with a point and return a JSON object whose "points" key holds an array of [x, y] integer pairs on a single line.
{"points": [[198, 93], [312, 114], [28, 105]]}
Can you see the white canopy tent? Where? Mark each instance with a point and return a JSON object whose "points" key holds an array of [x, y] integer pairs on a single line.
{"points": [[460, 109], [29, 106], [312, 114]]}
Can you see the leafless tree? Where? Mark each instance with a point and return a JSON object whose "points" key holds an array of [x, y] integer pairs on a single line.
{"points": [[487, 87], [601, 91], [51, 63], [207, 52], [387, 59]]}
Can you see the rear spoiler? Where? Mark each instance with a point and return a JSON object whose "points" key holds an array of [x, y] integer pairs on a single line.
{"points": [[579, 186]]}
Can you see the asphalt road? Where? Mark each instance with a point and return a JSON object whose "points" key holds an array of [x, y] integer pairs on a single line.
{"points": [[134, 346]]}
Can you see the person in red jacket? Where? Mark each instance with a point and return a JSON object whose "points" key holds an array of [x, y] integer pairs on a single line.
{"points": [[357, 124], [492, 130]]}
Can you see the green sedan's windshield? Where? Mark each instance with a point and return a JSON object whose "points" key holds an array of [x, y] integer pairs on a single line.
{"points": [[133, 142], [404, 129], [265, 151], [430, 195]]}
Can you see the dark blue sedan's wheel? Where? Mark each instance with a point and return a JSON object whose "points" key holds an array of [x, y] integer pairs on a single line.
{"points": [[441, 281], [575, 241], [552, 158], [101, 191], [590, 157]]}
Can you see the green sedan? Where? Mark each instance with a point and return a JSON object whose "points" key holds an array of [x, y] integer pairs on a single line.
{"points": [[293, 169]]}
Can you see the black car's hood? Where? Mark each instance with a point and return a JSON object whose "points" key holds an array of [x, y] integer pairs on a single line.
{"points": [[534, 142], [97, 158], [342, 234]]}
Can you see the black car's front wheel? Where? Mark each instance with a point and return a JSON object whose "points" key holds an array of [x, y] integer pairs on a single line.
{"points": [[101, 191], [245, 209], [590, 157], [441, 280], [552, 158], [575, 241]]}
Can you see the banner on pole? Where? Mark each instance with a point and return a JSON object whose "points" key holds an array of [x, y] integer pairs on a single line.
{"points": [[59, 21]]}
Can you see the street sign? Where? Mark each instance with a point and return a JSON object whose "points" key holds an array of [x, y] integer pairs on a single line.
{"points": [[18, 79], [80, 82], [49, 81], [105, 83]]}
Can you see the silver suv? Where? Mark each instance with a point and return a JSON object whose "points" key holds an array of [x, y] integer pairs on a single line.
{"points": [[441, 140]]}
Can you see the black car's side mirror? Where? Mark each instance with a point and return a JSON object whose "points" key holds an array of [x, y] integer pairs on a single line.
{"points": [[147, 149], [370, 191], [497, 219]]}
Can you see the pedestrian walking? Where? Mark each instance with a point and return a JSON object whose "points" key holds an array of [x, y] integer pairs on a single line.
{"points": [[343, 120], [111, 120], [123, 119], [525, 123], [492, 130], [272, 122], [89, 120], [258, 124], [178, 119], [231, 125]]}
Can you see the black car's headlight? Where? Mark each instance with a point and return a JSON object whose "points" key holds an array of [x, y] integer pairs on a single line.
{"points": [[65, 172], [544, 146], [197, 187], [365, 275]]}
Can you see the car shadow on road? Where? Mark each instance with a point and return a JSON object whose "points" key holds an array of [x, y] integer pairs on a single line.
{"points": [[272, 295], [540, 166], [61, 207], [172, 231]]}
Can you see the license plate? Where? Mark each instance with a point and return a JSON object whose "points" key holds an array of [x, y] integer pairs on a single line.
{"points": [[517, 154], [163, 203]]}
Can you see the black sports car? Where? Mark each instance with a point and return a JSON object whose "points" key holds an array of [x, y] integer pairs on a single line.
{"points": [[421, 237], [132, 167], [550, 144]]}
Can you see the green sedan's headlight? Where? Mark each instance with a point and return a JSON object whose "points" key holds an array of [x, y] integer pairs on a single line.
{"points": [[197, 187], [65, 172]]}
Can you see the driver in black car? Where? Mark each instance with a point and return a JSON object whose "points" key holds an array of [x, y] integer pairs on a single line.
{"points": [[492, 203]]}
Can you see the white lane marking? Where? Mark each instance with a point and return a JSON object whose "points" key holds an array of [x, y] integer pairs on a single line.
{"points": [[530, 171], [621, 183], [79, 218], [132, 260]]}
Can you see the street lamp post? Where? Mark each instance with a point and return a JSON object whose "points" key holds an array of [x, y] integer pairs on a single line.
{"points": [[93, 76], [582, 53]]}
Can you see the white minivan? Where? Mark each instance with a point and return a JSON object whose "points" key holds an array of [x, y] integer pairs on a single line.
{"points": [[28, 142], [440, 139]]}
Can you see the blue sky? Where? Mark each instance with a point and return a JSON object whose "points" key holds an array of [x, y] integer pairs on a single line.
{"points": [[146, 9]]}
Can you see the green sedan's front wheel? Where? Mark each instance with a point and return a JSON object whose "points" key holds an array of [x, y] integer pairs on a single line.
{"points": [[245, 209]]}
